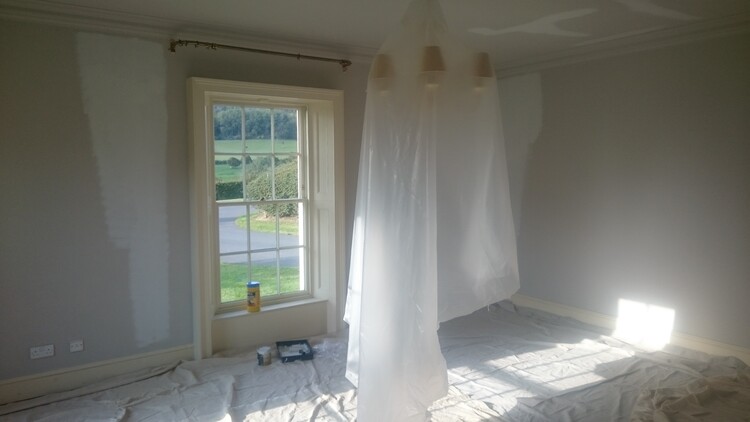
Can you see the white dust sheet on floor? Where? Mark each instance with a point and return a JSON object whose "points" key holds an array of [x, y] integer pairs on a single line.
{"points": [[503, 364]]}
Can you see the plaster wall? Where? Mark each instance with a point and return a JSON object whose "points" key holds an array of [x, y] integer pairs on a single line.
{"points": [[94, 222], [631, 180]]}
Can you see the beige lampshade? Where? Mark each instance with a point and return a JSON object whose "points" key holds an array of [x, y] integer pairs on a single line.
{"points": [[383, 67], [432, 59]]}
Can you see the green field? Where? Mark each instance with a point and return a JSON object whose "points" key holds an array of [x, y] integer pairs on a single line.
{"points": [[256, 146], [234, 280], [227, 173]]}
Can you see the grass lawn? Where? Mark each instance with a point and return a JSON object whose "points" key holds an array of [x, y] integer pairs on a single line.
{"points": [[287, 225], [234, 280]]}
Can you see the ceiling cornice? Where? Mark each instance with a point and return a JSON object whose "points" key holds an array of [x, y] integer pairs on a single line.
{"points": [[100, 20], [630, 43], [39, 11]]}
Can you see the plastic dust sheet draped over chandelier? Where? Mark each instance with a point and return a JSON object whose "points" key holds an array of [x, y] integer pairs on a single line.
{"points": [[433, 233]]}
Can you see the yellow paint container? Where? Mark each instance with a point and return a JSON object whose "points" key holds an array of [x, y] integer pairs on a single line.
{"points": [[253, 296]]}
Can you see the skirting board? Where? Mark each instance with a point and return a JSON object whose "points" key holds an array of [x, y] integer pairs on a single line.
{"points": [[609, 322], [23, 388]]}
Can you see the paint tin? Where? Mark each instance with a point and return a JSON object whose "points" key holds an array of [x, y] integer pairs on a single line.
{"points": [[264, 356], [253, 296]]}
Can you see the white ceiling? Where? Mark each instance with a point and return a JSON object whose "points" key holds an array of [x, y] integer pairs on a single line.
{"points": [[513, 31]]}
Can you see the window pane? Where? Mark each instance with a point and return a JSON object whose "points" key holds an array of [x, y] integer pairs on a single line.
{"points": [[290, 228], [227, 128], [291, 262], [287, 180], [258, 178], [233, 229], [257, 160], [233, 275], [228, 177], [263, 268], [285, 130], [263, 227]]}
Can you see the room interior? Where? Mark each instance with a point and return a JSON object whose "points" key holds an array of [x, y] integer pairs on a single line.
{"points": [[626, 134]]}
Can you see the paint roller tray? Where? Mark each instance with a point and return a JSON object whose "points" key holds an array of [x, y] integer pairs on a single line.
{"points": [[292, 350]]}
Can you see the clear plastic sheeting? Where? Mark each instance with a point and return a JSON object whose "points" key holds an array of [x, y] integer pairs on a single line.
{"points": [[433, 232]]}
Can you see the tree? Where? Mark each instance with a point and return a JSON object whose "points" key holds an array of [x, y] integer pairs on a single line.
{"points": [[285, 123], [259, 188], [257, 123], [227, 122], [234, 162]]}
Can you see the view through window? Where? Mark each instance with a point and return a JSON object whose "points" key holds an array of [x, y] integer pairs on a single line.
{"points": [[259, 173]]}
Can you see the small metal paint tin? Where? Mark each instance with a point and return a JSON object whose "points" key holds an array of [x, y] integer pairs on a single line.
{"points": [[264, 356]]}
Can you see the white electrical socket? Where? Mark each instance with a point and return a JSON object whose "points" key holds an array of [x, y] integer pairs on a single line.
{"points": [[76, 346], [39, 352]]}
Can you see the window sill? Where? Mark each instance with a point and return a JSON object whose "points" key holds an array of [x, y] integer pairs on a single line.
{"points": [[268, 308]]}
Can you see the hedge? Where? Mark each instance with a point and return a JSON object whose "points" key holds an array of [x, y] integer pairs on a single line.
{"points": [[228, 190], [286, 187]]}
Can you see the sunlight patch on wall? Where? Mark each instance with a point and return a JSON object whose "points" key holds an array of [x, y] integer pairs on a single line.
{"points": [[645, 325], [123, 84]]}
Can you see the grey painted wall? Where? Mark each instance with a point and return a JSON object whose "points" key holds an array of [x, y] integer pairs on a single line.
{"points": [[631, 177], [94, 221]]}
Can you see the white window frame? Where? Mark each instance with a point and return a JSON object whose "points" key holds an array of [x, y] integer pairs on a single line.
{"points": [[325, 198]]}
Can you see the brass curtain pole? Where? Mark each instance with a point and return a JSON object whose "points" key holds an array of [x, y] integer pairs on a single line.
{"points": [[214, 46]]}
